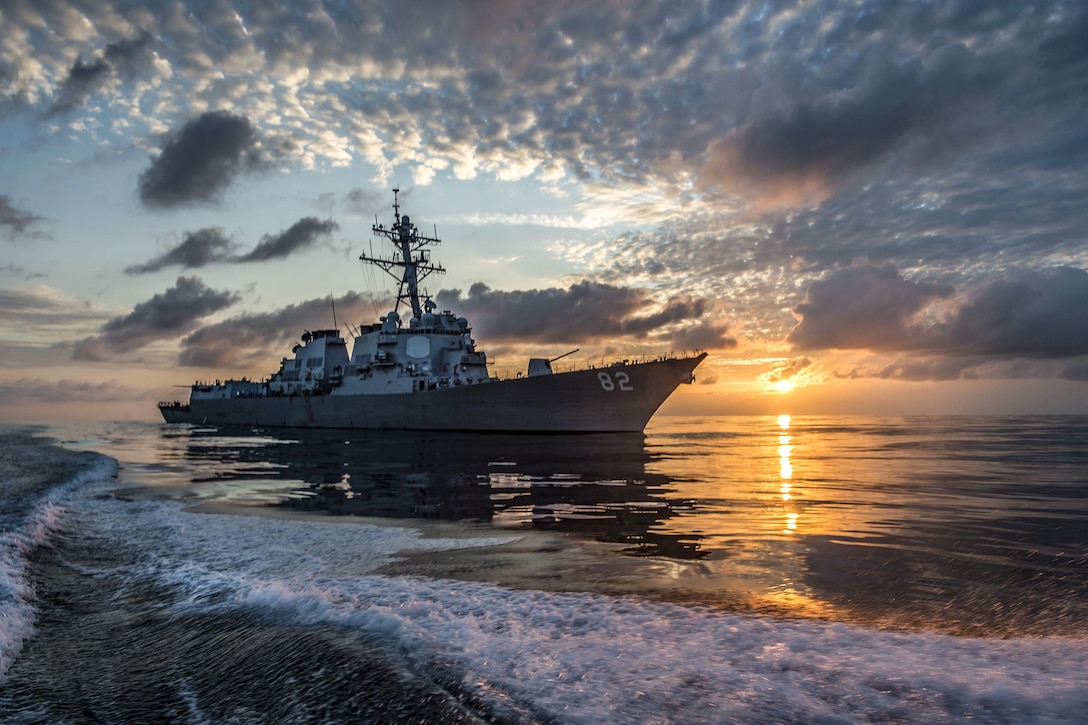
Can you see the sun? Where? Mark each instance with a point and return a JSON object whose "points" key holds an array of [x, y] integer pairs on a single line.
{"points": [[783, 386]]}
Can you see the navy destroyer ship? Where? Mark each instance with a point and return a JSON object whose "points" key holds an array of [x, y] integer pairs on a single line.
{"points": [[425, 373]]}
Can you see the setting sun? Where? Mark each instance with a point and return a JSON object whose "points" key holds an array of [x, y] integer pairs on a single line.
{"points": [[783, 386]]}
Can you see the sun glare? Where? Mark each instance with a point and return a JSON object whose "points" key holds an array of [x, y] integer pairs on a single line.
{"points": [[783, 386]]}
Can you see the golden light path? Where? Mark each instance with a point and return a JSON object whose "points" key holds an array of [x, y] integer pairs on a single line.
{"points": [[785, 469]]}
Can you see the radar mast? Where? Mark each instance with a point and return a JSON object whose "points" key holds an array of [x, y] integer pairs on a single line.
{"points": [[412, 256]]}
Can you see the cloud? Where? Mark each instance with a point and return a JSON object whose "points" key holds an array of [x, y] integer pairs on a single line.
{"points": [[15, 221], [37, 390], [52, 314], [1025, 314], [1075, 370], [613, 92], [786, 370], [201, 160], [300, 235], [704, 335], [15, 302], [163, 317], [128, 58], [83, 78], [362, 201], [865, 307], [929, 368], [800, 156], [263, 338], [583, 312], [197, 249], [211, 245], [625, 95]]}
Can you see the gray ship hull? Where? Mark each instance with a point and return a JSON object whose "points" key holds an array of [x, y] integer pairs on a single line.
{"points": [[622, 397]]}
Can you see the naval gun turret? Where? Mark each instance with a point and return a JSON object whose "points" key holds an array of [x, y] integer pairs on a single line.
{"points": [[543, 366]]}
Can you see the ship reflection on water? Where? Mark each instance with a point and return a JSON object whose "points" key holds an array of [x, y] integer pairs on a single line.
{"points": [[595, 486]]}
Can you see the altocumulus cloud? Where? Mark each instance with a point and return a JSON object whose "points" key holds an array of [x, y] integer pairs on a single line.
{"points": [[165, 316], [626, 93]]}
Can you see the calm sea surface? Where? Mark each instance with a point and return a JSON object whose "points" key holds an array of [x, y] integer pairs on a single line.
{"points": [[737, 569]]}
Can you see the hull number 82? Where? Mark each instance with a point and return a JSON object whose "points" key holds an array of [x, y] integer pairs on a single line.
{"points": [[615, 381]]}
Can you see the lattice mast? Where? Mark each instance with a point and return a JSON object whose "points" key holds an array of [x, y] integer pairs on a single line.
{"points": [[413, 257]]}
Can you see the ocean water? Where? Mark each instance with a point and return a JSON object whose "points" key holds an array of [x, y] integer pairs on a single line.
{"points": [[714, 570]]}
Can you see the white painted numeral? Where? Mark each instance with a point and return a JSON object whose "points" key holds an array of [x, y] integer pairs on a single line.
{"points": [[622, 378]]}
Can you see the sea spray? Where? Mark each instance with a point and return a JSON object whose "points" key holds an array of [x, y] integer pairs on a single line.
{"points": [[32, 515]]}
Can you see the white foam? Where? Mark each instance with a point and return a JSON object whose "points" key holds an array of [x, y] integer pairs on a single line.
{"points": [[583, 658], [43, 519]]}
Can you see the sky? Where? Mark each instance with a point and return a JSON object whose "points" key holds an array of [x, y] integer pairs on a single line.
{"points": [[855, 207]]}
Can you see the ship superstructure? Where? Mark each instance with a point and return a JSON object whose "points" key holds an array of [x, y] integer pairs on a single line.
{"points": [[425, 373]]}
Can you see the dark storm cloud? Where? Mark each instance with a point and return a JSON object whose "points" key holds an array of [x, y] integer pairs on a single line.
{"points": [[201, 160], [264, 338], [165, 316], [585, 311], [17, 222], [197, 249], [302, 234], [1026, 314]]}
